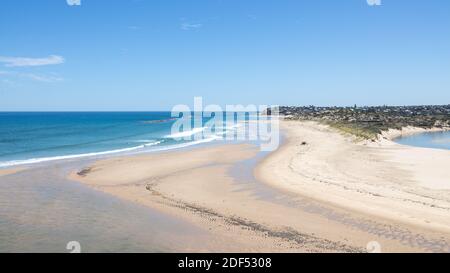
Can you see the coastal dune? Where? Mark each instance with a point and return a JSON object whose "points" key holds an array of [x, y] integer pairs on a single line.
{"points": [[321, 191]]}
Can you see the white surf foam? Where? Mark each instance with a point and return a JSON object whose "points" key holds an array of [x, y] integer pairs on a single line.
{"points": [[187, 133], [54, 158], [188, 144]]}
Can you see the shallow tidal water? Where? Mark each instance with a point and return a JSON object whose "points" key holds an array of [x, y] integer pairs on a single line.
{"points": [[436, 140], [41, 211]]}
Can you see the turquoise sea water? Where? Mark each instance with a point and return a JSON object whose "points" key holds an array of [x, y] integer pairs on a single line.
{"points": [[41, 210], [29, 137], [437, 140]]}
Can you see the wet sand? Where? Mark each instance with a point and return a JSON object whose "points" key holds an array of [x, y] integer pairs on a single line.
{"points": [[41, 211], [319, 192], [196, 186], [328, 194], [4, 172]]}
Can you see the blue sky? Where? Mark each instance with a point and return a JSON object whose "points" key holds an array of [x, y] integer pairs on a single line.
{"points": [[151, 55]]}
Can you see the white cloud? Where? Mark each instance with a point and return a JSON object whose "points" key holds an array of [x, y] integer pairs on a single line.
{"points": [[189, 26], [48, 78], [42, 78], [73, 2], [374, 2], [21, 61]]}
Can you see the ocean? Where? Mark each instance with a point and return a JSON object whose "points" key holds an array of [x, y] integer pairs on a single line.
{"points": [[41, 210], [32, 137], [436, 140]]}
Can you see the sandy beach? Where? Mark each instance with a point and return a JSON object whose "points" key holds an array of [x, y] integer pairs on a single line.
{"points": [[321, 191], [4, 172]]}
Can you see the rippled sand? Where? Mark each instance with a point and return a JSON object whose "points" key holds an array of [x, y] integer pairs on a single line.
{"points": [[322, 192]]}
